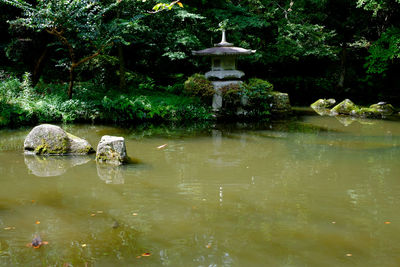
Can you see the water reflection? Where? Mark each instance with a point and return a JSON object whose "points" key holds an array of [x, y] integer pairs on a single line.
{"points": [[111, 174], [295, 194], [47, 166]]}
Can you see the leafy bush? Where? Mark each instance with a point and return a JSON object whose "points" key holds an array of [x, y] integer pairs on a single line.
{"points": [[198, 85], [21, 104], [254, 97], [259, 86], [232, 95]]}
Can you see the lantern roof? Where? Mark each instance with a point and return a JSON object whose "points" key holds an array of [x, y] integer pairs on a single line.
{"points": [[223, 49]]}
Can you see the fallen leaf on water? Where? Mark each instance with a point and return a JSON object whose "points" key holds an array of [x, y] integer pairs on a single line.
{"points": [[83, 245], [349, 254], [99, 211], [134, 214], [162, 146], [37, 222], [33, 201], [9, 228], [138, 257], [208, 245], [387, 222], [93, 214], [146, 254], [333, 222]]}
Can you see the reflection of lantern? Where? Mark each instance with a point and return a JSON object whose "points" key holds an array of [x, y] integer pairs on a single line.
{"points": [[223, 66]]}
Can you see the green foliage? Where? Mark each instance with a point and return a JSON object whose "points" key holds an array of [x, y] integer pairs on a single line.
{"points": [[258, 86], [299, 40], [375, 5], [20, 104], [254, 96], [198, 85], [383, 51], [232, 97]]}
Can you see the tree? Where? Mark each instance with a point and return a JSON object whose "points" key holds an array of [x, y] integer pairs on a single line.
{"points": [[386, 48], [79, 26]]}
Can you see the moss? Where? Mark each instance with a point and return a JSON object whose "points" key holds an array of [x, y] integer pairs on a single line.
{"points": [[86, 150], [345, 107], [45, 149], [323, 103], [367, 112], [111, 157]]}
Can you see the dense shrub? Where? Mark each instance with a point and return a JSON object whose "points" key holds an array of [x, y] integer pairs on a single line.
{"points": [[254, 96], [198, 85], [21, 104], [260, 86]]}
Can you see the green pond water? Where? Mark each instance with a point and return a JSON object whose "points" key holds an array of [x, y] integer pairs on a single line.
{"points": [[305, 192]]}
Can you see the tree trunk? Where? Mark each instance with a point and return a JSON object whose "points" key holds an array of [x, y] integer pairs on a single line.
{"points": [[122, 76], [342, 66], [71, 82], [37, 71]]}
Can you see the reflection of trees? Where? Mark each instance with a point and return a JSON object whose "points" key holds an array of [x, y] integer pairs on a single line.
{"points": [[281, 190]]}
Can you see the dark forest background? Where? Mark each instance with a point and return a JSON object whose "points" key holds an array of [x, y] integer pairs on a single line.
{"points": [[310, 49]]}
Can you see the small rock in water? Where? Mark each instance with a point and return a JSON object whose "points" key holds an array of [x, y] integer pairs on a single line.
{"points": [[112, 150], [115, 224]]}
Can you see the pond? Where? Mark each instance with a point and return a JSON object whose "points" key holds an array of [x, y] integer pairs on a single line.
{"points": [[314, 191]]}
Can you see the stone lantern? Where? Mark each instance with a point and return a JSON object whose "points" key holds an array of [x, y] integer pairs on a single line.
{"points": [[223, 66]]}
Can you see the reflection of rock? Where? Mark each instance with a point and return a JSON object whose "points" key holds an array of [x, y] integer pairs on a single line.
{"points": [[322, 111], [47, 139], [111, 174], [45, 166], [112, 149], [345, 120]]}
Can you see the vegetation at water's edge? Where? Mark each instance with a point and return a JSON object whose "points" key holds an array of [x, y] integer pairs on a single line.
{"points": [[21, 104], [308, 49]]}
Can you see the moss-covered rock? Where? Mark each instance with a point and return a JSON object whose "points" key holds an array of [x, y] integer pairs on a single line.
{"points": [[280, 103], [346, 107], [323, 103], [47, 139], [383, 108], [112, 150]]}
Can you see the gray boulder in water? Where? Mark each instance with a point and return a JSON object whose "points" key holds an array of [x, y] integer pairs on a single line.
{"points": [[112, 149], [47, 139]]}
